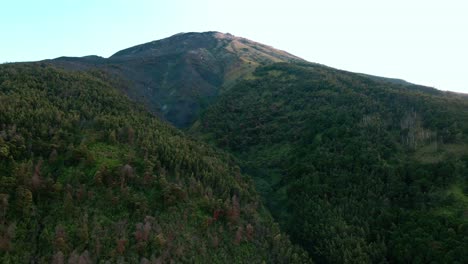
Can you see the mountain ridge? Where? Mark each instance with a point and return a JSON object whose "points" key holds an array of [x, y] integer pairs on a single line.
{"points": [[175, 76], [178, 76]]}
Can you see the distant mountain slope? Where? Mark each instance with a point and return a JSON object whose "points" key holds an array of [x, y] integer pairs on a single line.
{"points": [[87, 176], [390, 80], [356, 169], [175, 76]]}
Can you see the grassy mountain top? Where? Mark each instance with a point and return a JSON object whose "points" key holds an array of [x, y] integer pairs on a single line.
{"points": [[186, 42], [177, 76], [87, 176]]}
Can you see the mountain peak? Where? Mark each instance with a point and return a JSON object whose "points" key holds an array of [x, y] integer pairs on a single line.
{"points": [[170, 75], [216, 34], [180, 42], [209, 40]]}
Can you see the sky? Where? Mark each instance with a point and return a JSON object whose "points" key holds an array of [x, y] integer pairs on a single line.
{"points": [[424, 42]]}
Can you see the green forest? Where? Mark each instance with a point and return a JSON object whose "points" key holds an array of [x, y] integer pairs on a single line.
{"points": [[211, 148], [87, 176], [355, 169]]}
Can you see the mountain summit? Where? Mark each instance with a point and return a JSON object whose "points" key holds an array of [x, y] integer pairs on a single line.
{"points": [[173, 77], [212, 41]]}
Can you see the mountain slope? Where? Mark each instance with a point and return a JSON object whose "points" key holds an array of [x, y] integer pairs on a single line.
{"points": [[176, 76], [356, 169], [87, 176]]}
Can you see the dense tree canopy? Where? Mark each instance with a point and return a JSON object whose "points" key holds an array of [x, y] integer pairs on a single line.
{"points": [[86, 176], [356, 169]]}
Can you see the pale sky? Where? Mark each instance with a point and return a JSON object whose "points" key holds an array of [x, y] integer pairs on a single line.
{"points": [[424, 42]]}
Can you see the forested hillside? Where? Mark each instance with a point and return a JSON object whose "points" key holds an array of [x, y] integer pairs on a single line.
{"points": [[356, 169], [86, 176]]}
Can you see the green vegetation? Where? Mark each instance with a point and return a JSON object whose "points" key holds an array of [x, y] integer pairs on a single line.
{"points": [[355, 169], [86, 176]]}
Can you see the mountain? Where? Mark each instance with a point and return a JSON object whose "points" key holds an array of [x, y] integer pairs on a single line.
{"points": [[356, 169], [175, 77], [87, 176]]}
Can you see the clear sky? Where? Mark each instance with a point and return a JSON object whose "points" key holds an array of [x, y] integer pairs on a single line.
{"points": [[424, 42]]}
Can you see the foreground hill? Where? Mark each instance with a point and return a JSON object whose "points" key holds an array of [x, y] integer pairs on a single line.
{"points": [[87, 176], [176, 76], [357, 169]]}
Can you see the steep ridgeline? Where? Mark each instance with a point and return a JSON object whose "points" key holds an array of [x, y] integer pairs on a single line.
{"points": [[176, 76], [87, 176], [356, 169]]}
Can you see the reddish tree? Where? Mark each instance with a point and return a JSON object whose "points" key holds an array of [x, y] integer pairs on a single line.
{"points": [[217, 213], [7, 236], [121, 245], [148, 179], [249, 232], [139, 234], [233, 213], [239, 235], [146, 230], [36, 180], [58, 258], [60, 239], [85, 258], [125, 174]]}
